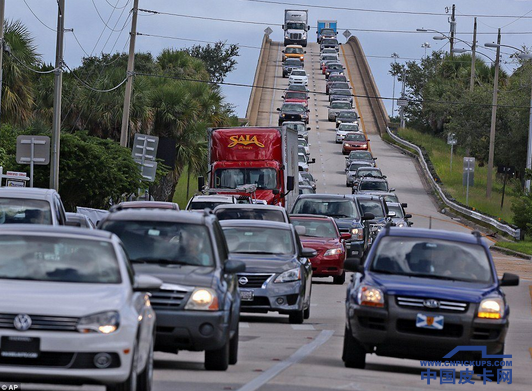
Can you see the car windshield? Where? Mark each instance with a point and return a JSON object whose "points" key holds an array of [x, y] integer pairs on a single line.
{"points": [[339, 86], [297, 127], [231, 178], [371, 206], [329, 42], [316, 228], [432, 258], [335, 66], [298, 72], [329, 57], [341, 105], [347, 114], [290, 50], [250, 214], [164, 242], [391, 198], [356, 166], [301, 158], [348, 127], [292, 61], [341, 208], [307, 176], [24, 211], [355, 137], [306, 190], [361, 155], [49, 258], [295, 95], [302, 142], [259, 240], [293, 107], [336, 78], [297, 87], [369, 172], [373, 185], [397, 209], [295, 26], [200, 205], [342, 92]]}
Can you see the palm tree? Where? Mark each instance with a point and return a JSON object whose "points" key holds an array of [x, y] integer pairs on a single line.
{"points": [[17, 92]]}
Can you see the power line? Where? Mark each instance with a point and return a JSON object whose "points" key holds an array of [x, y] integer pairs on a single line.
{"points": [[36, 17], [197, 40], [30, 68], [103, 21], [117, 8], [88, 86]]}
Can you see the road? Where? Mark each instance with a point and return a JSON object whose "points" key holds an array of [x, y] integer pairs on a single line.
{"points": [[277, 356]]}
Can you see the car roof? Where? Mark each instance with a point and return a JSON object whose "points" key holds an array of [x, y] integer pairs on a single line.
{"points": [[255, 223], [26, 192], [250, 206], [373, 179], [294, 46], [320, 196], [368, 197], [213, 198], [311, 217], [472, 238], [178, 216], [398, 204], [29, 229], [145, 205]]}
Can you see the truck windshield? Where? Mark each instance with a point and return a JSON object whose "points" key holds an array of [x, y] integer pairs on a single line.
{"points": [[295, 26], [230, 178], [24, 211]]}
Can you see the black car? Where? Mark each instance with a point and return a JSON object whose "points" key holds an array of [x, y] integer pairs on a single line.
{"points": [[346, 115], [278, 274], [290, 64], [198, 305], [363, 156], [293, 112], [399, 215], [422, 293], [346, 213], [329, 43], [376, 206]]}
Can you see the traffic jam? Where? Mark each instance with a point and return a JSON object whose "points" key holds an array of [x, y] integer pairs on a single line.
{"points": [[94, 294]]}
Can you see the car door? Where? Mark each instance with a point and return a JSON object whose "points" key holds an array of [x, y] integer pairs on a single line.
{"points": [[306, 267]]}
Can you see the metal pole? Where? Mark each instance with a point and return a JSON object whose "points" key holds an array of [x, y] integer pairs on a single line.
{"points": [[124, 133], [529, 149], [453, 24], [473, 57], [393, 96], [452, 157], [493, 117], [2, 7], [56, 124], [467, 184], [32, 155]]}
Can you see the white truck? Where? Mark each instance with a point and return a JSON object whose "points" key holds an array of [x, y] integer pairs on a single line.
{"points": [[295, 27]]}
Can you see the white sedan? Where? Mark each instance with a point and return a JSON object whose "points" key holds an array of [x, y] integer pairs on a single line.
{"points": [[76, 311], [344, 128], [298, 76]]}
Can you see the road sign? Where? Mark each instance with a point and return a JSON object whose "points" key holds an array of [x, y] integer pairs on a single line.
{"points": [[144, 147], [41, 150], [148, 170], [268, 31], [347, 34], [468, 176], [402, 101], [451, 139], [16, 184]]}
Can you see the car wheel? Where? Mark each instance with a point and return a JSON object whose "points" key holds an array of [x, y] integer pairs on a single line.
{"points": [[145, 378], [296, 317], [354, 355], [306, 313], [339, 280], [217, 359], [346, 184], [233, 347], [131, 382]]}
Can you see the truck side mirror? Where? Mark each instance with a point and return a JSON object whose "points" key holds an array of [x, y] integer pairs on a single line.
{"points": [[312, 161], [201, 183], [290, 183], [282, 26], [275, 191]]}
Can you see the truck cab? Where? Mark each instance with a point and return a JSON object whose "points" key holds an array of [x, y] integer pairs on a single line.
{"points": [[295, 27]]}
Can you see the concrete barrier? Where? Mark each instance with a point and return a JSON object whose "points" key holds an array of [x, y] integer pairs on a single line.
{"points": [[255, 96]]}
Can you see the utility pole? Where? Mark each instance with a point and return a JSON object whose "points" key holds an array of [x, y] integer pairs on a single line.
{"points": [[58, 85], [473, 52], [124, 133], [493, 117], [453, 29], [2, 7], [529, 149], [394, 56], [402, 109]]}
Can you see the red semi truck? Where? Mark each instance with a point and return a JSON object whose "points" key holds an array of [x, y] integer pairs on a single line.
{"points": [[261, 156]]}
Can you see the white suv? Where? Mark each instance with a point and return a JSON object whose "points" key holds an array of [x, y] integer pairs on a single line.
{"points": [[76, 312], [298, 76]]}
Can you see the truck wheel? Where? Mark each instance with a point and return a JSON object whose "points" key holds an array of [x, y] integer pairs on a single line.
{"points": [[296, 317], [339, 280], [233, 348], [217, 359], [354, 355]]}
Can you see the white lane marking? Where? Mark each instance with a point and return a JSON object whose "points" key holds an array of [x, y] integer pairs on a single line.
{"points": [[274, 85], [303, 327], [301, 353], [244, 325]]}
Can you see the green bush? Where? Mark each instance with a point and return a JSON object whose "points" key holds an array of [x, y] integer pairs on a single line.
{"points": [[522, 210]]}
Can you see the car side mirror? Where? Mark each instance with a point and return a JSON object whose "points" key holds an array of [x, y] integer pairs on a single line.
{"points": [[308, 252], [408, 216], [282, 51], [404, 204], [392, 189], [278, 109], [283, 97], [144, 282], [374, 158], [392, 214], [345, 236], [305, 52], [509, 279], [233, 266], [368, 216], [368, 140], [353, 265], [308, 97]]}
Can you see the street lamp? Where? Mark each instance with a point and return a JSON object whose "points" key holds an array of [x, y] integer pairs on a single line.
{"points": [[425, 46], [524, 56], [395, 56]]}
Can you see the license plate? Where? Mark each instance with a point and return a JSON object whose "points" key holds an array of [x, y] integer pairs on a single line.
{"points": [[20, 347], [246, 295], [429, 321]]}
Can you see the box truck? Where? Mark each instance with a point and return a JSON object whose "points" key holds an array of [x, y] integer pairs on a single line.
{"points": [[295, 27]]}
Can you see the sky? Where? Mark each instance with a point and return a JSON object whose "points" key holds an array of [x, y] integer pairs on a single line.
{"points": [[103, 26]]}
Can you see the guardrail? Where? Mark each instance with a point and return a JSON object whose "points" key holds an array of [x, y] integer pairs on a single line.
{"points": [[252, 111], [514, 232]]}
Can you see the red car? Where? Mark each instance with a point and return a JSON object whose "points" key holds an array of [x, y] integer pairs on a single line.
{"points": [[296, 97], [354, 142], [322, 235]]}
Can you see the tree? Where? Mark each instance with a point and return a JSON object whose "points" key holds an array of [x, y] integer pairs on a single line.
{"points": [[219, 58]]}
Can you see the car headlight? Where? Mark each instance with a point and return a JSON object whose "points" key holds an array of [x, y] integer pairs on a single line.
{"points": [[363, 145], [283, 115], [401, 224], [289, 275], [370, 296], [102, 322], [203, 299], [492, 308], [333, 251], [358, 233]]}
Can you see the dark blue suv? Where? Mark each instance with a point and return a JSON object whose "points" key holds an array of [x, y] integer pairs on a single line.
{"points": [[421, 293]]}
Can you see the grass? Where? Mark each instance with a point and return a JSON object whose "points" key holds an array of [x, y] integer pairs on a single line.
{"points": [[440, 153], [180, 195], [524, 246]]}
